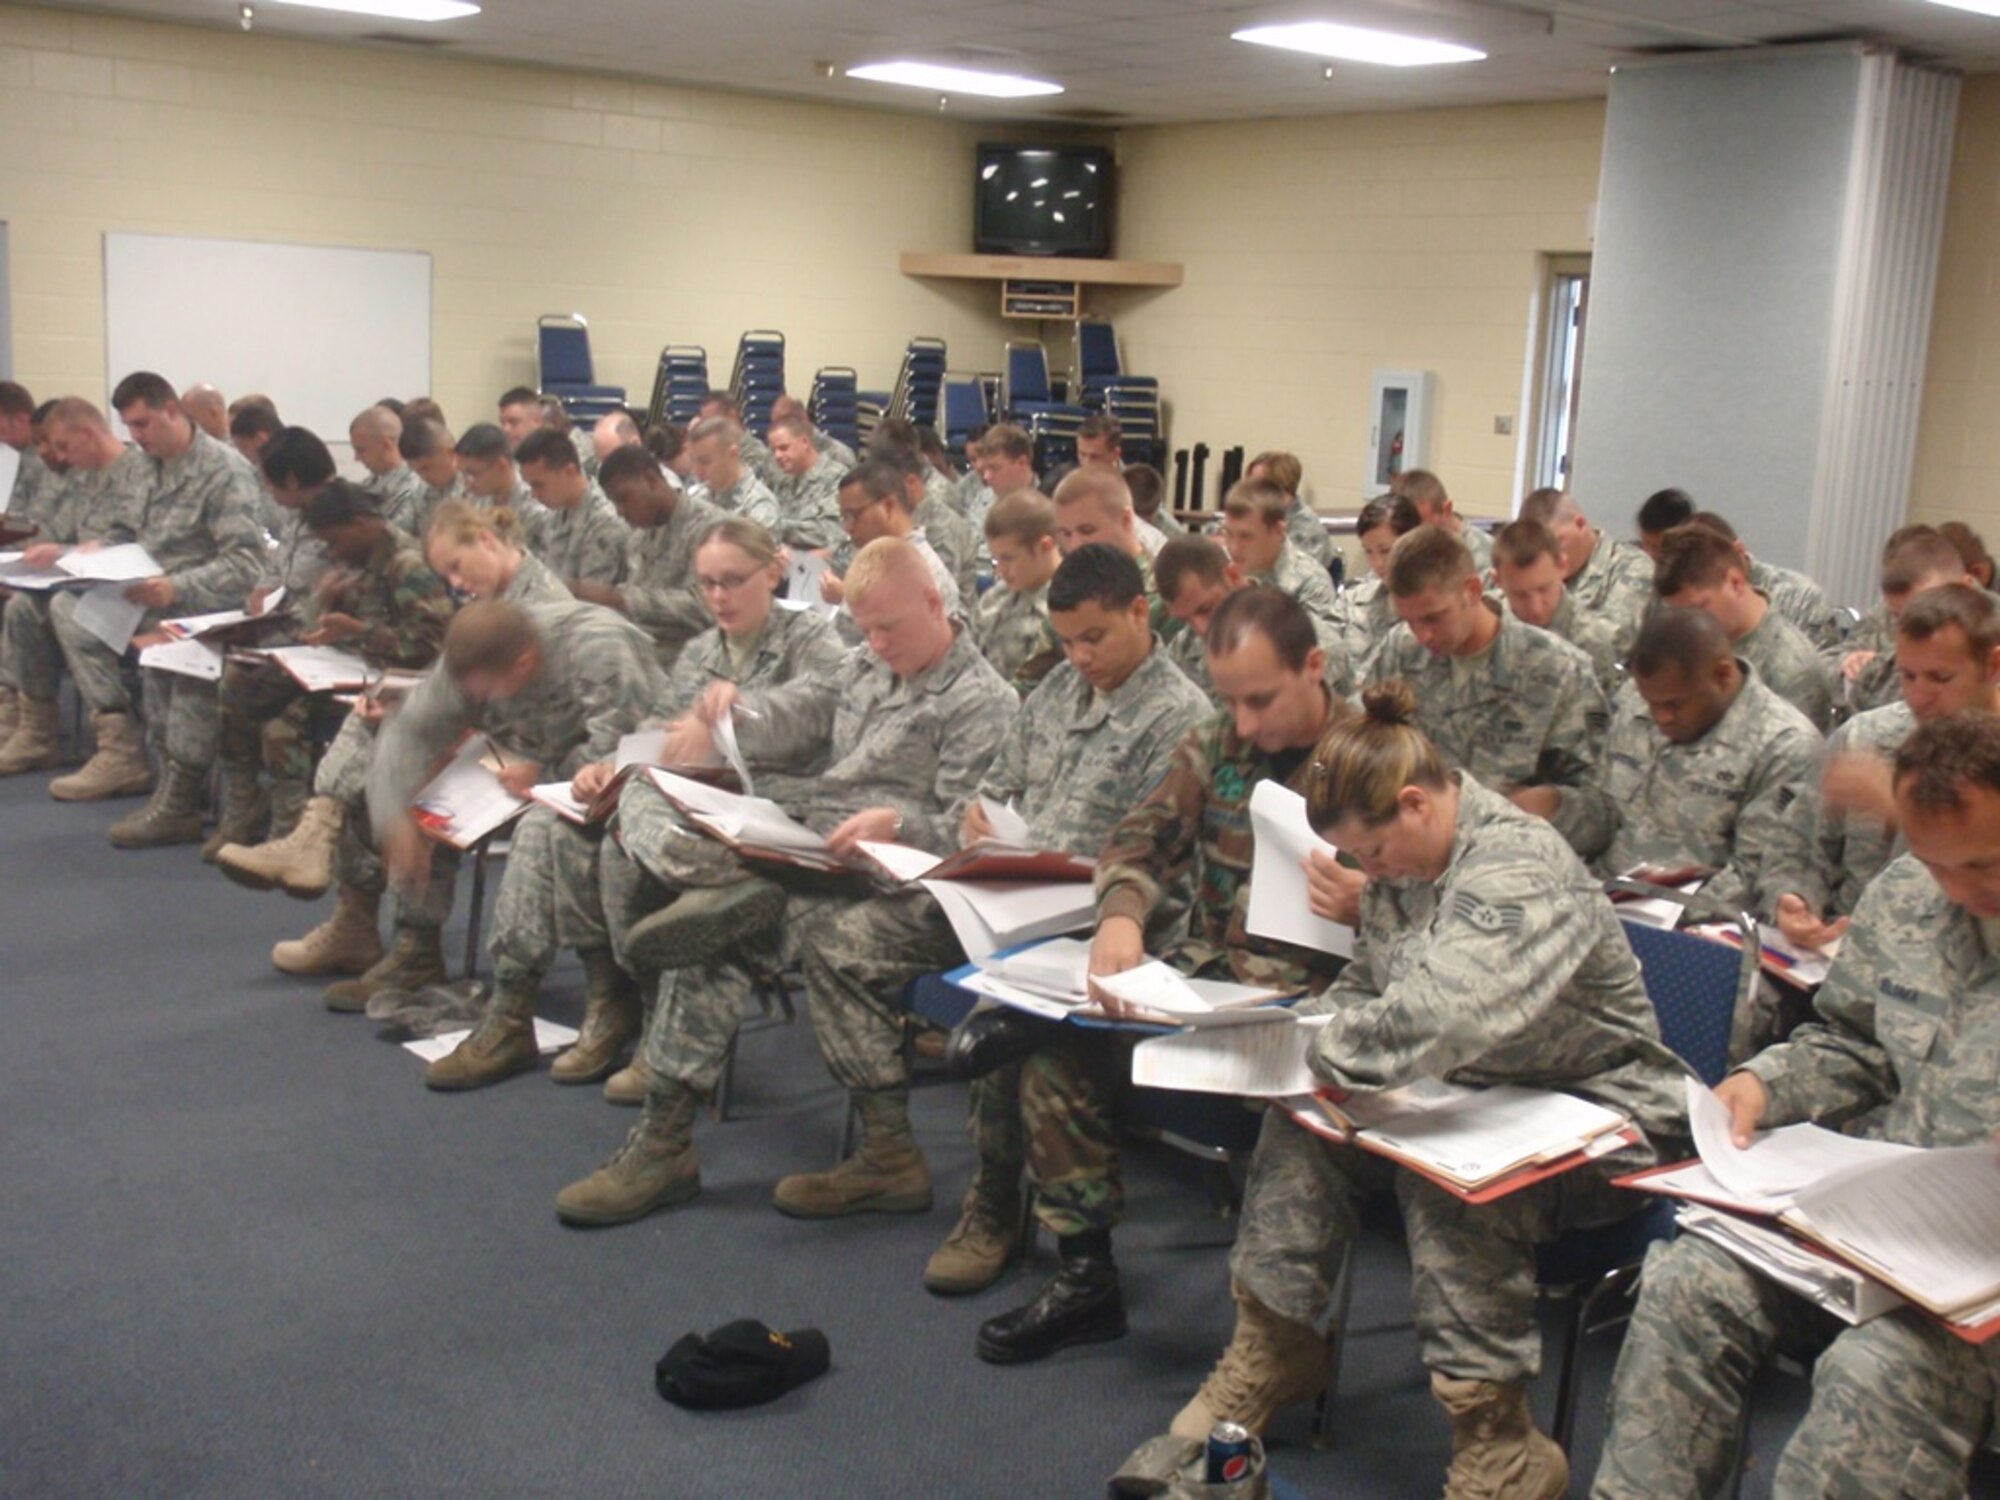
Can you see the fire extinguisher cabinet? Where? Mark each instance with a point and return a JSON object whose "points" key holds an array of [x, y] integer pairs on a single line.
{"points": [[1399, 418]]}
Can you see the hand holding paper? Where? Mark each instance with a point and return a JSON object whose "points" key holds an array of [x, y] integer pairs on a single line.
{"points": [[1284, 905]]}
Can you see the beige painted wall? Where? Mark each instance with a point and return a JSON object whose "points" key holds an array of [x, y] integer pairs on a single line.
{"points": [[1318, 251], [662, 214], [1957, 474]]}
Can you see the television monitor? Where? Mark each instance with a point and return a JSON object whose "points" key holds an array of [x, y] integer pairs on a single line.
{"points": [[1042, 200]]}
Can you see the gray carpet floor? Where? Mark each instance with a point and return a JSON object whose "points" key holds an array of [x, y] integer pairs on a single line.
{"points": [[247, 1254]]}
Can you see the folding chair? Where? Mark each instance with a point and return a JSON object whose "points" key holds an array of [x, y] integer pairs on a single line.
{"points": [[1696, 985], [835, 404], [679, 384], [774, 1006], [759, 377], [964, 409], [919, 382], [563, 367]]}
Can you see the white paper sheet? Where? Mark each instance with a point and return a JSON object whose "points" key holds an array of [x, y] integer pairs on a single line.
{"points": [[1280, 906], [990, 915], [549, 1037], [747, 820], [902, 861], [10, 468], [126, 563], [322, 669], [642, 747], [187, 658], [724, 736], [469, 799], [1007, 824], [802, 584], [1777, 1164], [1496, 1129], [189, 626], [1929, 1222], [107, 614], [557, 796], [1256, 1062]]}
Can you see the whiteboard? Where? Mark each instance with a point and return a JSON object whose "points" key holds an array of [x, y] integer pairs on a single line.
{"points": [[324, 330]]}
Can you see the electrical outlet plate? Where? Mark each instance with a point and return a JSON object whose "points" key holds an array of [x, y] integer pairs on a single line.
{"points": [[1503, 426]]}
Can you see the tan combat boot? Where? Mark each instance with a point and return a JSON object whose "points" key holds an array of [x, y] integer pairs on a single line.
{"points": [[986, 1238], [345, 943], [501, 1045], [1496, 1452], [245, 812], [10, 711], [610, 1021], [1271, 1363], [172, 815], [654, 1169], [886, 1174], [629, 1084], [414, 961], [288, 804], [300, 864], [32, 745], [118, 769]]}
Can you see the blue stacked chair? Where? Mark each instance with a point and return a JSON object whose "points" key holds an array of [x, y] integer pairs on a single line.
{"points": [[679, 384], [920, 383], [1028, 398], [1132, 400], [964, 409], [835, 404], [563, 368], [759, 377]]}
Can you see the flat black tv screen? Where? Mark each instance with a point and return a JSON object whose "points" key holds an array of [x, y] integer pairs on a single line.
{"points": [[1043, 200]]}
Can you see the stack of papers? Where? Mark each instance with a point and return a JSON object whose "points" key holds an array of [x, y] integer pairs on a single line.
{"points": [[1052, 979], [1251, 1062], [1925, 1223], [1469, 1138], [755, 826], [123, 564], [185, 658], [320, 669]]}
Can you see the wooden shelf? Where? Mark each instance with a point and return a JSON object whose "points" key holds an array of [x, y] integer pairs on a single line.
{"points": [[1043, 268]]}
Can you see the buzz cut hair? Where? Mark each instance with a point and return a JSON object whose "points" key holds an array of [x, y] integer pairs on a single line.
{"points": [[1519, 543], [1259, 499], [1099, 425], [884, 560], [630, 461], [1693, 557], [1097, 574], [1663, 510], [1915, 553], [143, 385], [1687, 640], [1024, 516], [723, 427], [483, 440], [1547, 505], [795, 424], [1428, 558], [549, 448], [879, 480], [1186, 557], [423, 439], [1005, 440], [520, 395], [488, 635]]}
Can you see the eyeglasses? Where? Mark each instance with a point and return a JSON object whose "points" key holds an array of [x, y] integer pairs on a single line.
{"points": [[728, 583], [850, 514]]}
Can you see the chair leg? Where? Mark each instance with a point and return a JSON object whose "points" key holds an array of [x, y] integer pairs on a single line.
{"points": [[719, 1101], [475, 911], [1343, 1300]]}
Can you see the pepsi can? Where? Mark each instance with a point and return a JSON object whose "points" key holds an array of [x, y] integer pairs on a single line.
{"points": [[1232, 1453]]}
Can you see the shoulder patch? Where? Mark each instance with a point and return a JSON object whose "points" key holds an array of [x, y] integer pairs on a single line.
{"points": [[1485, 917]]}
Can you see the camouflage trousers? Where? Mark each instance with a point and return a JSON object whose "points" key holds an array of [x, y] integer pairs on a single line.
{"points": [[183, 717], [548, 897], [648, 861], [1067, 1109], [94, 666], [1899, 1405], [263, 720], [31, 658], [1472, 1266], [343, 776], [859, 957]]}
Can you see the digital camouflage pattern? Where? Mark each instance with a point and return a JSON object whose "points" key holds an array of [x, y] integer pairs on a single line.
{"points": [[809, 507], [1738, 799], [1789, 666], [1528, 712], [1853, 848], [1615, 583], [585, 540], [659, 590], [1012, 628]]}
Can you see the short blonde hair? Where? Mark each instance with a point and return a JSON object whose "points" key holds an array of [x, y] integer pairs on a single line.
{"points": [[464, 523], [887, 559]]}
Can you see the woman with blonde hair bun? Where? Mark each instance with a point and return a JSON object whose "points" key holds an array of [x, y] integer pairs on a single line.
{"points": [[1485, 955], [483, 554]]}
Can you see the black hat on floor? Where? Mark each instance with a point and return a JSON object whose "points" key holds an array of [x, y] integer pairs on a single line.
{"points": [[744, 1363]]}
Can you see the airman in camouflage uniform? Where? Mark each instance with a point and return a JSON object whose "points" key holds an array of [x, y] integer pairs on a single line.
{"points": [[1526, 712], [1902, 1050], [1704, 765], [594, 679], [751, 499], [582, 536], [665, 525], [952, 538], [199, 522], [1364, 615], [1874, 684], [1731, 799], [1507, 967], [106, 482], [36, 490], [1011, 626], [403, 607], [1615, 583], [1074, 761], [902, 754], [809, 499], [1304, 529]]}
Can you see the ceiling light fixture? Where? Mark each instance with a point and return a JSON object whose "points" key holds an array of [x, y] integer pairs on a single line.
{"points": [[1358, 44], [1977, 7], [954, 80], [392, 10]]}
